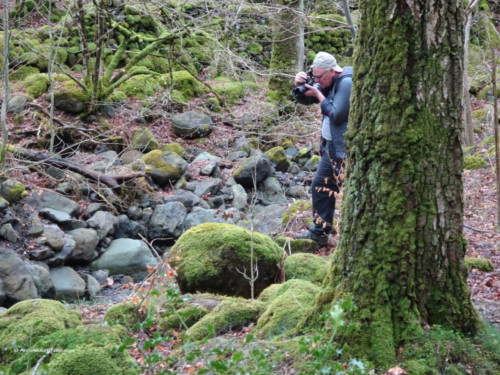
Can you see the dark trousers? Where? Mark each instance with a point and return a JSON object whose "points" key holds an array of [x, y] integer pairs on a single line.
{"points": [[326, 183]]}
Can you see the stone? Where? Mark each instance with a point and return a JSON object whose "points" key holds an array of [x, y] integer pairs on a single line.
{"points": [[253, 170], [67, 283], [17, 104], [18, 283], [86, 240], [167, 221], [104, 222], [126, 257], [269, 192], [191, 124]]}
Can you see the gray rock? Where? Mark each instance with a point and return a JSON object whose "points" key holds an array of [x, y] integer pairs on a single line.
{"points": [[187, 198], [63, 219], [167, 221], [54, 237], [126, 257], [208, 186], [18, 283], [237, 155], [129, 157], [86, 240], [92, 209], [9, 233], [240, 197], [69, 102], [256, 168], [60, 258], [296, 192], [43, 282], [57, 173], [101, 276], [35, 226], [93, 286], [201, 215], [264, 219], [2, 293], [104, 222], [41, 253], [191, 125], [67, 283], [17, 104], [269, 192], [242, 144], [58, 202], [207, 156]]}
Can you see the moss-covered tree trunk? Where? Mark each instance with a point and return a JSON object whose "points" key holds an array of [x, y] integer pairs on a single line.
{"points": [[285, 49], [401, 251]]}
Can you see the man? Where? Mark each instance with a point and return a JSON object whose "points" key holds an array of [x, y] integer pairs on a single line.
{"points": [[332, 90]]}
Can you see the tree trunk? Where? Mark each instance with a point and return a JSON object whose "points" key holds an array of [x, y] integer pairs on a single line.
{"points": [[284, 52], [468, 122], [5, 72], [401, 248]]}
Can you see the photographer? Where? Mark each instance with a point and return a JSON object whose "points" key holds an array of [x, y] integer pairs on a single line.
{"points": [[330, 85]]}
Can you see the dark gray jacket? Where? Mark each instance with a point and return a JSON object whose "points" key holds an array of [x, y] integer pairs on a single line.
{"points": [[335, 110]]}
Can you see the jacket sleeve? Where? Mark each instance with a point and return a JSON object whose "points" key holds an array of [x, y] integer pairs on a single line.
{"points": [[337, 109]]}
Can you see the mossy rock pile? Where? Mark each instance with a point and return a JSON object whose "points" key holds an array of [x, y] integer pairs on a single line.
{"points": [[286, 304], [308, 267], [32, 328], [212, 256]]}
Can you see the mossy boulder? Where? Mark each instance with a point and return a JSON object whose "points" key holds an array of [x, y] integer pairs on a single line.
{"points": [[28, 321], [165, 166], [297, 246], [474, 162], [89, 349], [291, 213], [287, 304], [184, 82], [278, 158], [125, 313], [305, 266], [230, 314], [230, 91], [186, 311], [12, 190], [140, 86], [143, 140], [175, 147], [69, 97], [211, 257], [23, 72], [36, 84], [480, 264], [192, 124]]}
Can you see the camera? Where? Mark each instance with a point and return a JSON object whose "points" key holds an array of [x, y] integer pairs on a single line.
{"points": [[300, 90]]}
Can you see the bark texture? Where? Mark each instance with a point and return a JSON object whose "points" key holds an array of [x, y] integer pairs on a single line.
{"points": [[285, 49], [401, 249]]}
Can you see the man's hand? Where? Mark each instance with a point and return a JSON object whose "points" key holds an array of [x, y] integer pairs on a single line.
{"points": [[314, 91], [300, 78]]}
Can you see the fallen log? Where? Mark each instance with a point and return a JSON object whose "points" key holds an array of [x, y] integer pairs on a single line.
{"points": [[113, 182]]}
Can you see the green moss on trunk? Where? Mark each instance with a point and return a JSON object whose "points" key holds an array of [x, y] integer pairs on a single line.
{"points": [[401, 251]]}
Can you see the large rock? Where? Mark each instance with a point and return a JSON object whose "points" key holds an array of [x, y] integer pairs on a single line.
{"points": [[210, 258], [55, 201], [126, 257], [70, 98], [17, 104], [15, 275], [286, 305], [191, 125], [270, 191], [28, 321], [166, 166], [86, 240], [104, 222], [167, 221], [67, 283], [253, 170]]}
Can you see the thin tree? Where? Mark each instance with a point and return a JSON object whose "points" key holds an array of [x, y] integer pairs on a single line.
{"points": [[3, 116], [401, 248], [468, 122]]}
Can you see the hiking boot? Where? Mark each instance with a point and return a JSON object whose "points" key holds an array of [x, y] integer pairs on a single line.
{"points": [[320, 239]]}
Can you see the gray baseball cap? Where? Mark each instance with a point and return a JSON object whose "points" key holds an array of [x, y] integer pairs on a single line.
{"points": [[324, 60]]}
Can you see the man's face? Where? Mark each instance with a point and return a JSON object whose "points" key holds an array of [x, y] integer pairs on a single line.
{"points": [[323, 76]]}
